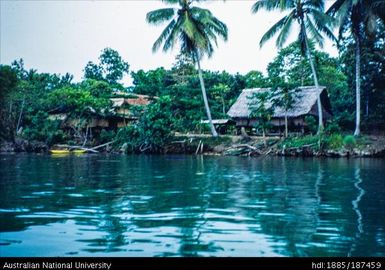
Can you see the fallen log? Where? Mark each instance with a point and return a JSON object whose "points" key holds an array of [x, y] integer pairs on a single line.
{"points": [[77, 147], [102, 145], [199, 144]]}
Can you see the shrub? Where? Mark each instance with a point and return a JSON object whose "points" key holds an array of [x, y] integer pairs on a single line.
{"points": [[334, 141], [41, 128], [153, 130], [349, 141], [311, 122], [128, 135], [106, 136], [332, 128]]}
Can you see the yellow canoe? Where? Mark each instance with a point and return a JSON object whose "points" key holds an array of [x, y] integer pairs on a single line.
{"points": [[65, 152], [59, 152], [78, 151]]}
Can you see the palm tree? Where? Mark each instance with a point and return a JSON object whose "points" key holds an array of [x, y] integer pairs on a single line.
{"points": [[357, 15], [194, 29], [376, 9], [310, 16]]}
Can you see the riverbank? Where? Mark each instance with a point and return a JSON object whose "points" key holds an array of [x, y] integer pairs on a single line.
{"points": [[335, 145]]}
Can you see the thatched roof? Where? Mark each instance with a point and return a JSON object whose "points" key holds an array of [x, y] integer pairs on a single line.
{"points": [[133, 99], [216, 121], [305, 102]]}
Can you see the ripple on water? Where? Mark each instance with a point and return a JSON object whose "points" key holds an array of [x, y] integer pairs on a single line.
{"points": [[14, 210], [75, 195]]}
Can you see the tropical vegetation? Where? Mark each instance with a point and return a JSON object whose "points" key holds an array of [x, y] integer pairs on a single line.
{"points": [[29, 98]]}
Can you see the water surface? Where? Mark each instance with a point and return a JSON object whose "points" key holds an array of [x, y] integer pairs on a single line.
{"points": [[112, 205]]}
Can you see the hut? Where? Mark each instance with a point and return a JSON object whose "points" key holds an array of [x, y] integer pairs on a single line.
{"points": [[221, 125], [119, 115], [123, 112], [305, 103]]}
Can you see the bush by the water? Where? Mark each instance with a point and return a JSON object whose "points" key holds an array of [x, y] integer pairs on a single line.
{"points": [[153, 130], [42, 129], [334, 141], [349, 141]]}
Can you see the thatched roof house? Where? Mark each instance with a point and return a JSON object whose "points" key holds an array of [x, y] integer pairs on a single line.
{"points": [[122, 105], [305, 103], [118, 116]]}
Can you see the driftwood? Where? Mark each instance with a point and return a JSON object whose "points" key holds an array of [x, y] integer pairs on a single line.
{"points": [[77, 147], [199, 144], [243, 149], [102, 145], [144, 147], [176, 142], [93, 149]]}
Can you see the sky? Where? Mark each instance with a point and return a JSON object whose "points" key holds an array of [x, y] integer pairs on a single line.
{"points": [[62, 36]]}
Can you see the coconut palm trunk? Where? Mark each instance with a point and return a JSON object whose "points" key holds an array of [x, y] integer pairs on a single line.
{"points": [[202, 83], [358, 87], [264, 137], [315, 78], [286, 125]]}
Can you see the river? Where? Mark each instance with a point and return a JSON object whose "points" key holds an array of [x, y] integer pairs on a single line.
{"points": [[118, 205]]}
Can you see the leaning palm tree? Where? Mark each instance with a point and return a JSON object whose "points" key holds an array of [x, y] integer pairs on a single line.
{"points": [[312, 21], [194, 29], [357, 15]]}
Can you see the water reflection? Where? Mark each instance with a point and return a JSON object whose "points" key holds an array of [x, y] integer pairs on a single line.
{"points": [[356, 209], [190, 206]]}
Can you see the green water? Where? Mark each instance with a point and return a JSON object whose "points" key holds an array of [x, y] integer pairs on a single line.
{"points": [[99, 205]]}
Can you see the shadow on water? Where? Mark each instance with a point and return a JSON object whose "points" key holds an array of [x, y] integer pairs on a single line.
{"points": [[106, 205]]}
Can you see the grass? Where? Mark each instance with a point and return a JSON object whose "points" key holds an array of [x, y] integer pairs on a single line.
{"points": [[335, 141], [297, 142]]}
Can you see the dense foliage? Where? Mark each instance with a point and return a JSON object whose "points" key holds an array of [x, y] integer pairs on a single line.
{"points": [[28, 99]]}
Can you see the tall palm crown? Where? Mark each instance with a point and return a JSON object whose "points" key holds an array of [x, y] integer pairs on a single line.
{"points": [[194, 28], [358, 14], [308, 14]]}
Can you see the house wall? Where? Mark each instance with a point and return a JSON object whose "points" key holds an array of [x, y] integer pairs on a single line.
{"points": [[277, 122]]}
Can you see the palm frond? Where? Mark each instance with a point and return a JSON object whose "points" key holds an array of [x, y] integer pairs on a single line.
{"points": [[272, 31], [160, 15], [163, 36], [314, 4], [206, 18], [170, 2], [171, 39], [322, 22], [314, 32], [267, 5], [335, 7], [283, 35]]}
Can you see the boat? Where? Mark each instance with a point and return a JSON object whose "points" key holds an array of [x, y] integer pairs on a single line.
{"points": [[66, 151], [78, 151], [59, 152]]}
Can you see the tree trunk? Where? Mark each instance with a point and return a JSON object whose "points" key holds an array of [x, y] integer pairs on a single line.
{"points": [[264, 137], [319, 106], [20, 115], [213, 131], [244, 133], [223, 106], [358, 87], [286, 128]]}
